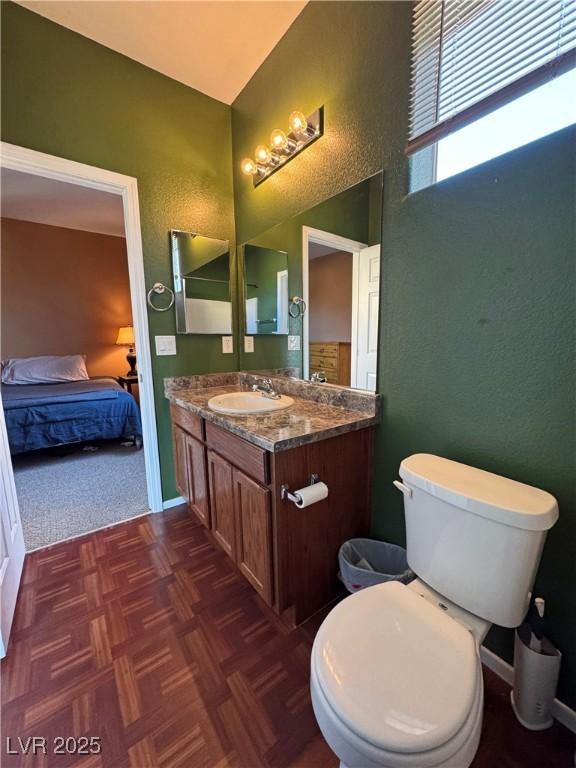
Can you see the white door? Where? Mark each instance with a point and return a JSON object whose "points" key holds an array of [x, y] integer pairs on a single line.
{"points": [[11, 540], [282, 302], [252, 316], [366, 302]]}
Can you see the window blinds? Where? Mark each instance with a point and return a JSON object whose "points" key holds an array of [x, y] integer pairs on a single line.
{"points": [[471, 56]]}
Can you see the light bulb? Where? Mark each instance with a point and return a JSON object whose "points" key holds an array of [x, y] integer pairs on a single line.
{"points": [[298, 123], [278, 139], [263, 155], [248, 166]]}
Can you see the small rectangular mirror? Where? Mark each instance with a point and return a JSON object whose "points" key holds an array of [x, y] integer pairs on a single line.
{"points": [[201, 269], [266, 290]]}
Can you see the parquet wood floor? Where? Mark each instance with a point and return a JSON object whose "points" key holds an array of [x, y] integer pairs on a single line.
{"points": [[145, 636]]}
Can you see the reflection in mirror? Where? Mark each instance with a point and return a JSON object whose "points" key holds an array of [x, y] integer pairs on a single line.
{"points": [[201, 268], [266, 286], [331, 254]]}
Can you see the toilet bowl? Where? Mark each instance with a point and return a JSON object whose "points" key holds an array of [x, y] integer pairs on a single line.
{"points": [[396, 679], [396, 682]]}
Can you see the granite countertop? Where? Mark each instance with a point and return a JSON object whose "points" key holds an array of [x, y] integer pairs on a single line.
{"points": [[308, 420]]}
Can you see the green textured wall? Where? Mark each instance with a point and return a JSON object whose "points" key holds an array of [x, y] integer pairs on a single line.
{"points": [[477, 309], [68, 96]]}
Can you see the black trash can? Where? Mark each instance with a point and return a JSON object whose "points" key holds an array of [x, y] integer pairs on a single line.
{"points": [[366, 562]]}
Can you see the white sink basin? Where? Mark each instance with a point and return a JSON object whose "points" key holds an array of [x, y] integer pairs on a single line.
{"points": [[244, 403]]}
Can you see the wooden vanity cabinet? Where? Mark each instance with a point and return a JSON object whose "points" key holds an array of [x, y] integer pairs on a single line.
{"points": [[180, 465], [289, 555], [252, 507], [220, 473], [198, 496], [190, 462]]}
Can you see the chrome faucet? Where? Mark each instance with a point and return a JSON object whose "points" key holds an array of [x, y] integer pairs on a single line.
{"points": [[318, 377], [264, 386]]}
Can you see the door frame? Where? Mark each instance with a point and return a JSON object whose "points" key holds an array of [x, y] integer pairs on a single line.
{"points": [[318, 236], [12, 549], [30, 161]]}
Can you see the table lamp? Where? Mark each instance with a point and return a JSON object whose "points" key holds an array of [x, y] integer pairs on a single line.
{"points": [[126, 338]]}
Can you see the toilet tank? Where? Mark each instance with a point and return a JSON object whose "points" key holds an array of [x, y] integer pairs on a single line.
{"points": [[473, 536]]}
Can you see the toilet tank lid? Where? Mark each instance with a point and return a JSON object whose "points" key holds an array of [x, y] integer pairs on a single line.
{"points": [[482, 493]]}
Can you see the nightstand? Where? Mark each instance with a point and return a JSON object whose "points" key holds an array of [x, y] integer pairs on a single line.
{"points": [[127, 382]]}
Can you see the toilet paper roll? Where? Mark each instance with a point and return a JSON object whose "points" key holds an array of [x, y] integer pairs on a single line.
{"points": [[311, 494]]}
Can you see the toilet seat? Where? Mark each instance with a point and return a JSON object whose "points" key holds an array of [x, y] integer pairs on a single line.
{"points": [[397, 677], [459, 752]]}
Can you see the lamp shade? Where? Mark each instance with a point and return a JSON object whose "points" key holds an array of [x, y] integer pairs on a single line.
{"points": [[125, 335]]}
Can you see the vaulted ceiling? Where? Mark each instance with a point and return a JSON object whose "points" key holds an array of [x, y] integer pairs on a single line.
{"points": [[214, 46]]}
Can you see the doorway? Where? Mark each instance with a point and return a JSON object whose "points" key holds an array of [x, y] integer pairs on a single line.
{"points": [[340, 283], [82, 179]]}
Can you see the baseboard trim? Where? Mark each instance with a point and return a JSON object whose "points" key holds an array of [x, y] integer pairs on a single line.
{"points": [[560, 711], [175, 502]]}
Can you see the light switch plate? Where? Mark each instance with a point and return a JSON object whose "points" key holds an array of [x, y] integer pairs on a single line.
{"points": [[294, 343], [165, 345], [227, 345], [248, 343]]}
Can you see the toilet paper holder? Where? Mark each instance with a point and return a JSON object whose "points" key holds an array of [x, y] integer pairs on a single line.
{"points": [[285, 492]]}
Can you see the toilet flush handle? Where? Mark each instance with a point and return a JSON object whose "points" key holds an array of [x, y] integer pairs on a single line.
{"points": [[404, 488]]}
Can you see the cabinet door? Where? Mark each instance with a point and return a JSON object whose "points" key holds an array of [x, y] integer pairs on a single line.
{"points": [[253, 533], [222, 503], [180, 460], [197, 479]]}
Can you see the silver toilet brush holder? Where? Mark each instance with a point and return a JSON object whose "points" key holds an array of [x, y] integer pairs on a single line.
{"points": [[535, 680]]}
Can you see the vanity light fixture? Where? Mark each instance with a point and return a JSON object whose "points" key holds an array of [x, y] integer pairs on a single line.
{"points": [[248, 166], [303, 131], [263, 155]]}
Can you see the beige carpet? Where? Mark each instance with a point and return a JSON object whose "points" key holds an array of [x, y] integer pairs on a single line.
{"points": [[65, 496]]}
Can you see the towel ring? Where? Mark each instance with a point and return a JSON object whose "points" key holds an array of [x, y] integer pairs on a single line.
{"points": [[160, 288], [297, 307]]}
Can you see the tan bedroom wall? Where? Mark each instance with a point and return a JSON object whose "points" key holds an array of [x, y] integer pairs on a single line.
{"points": [[330, 292], [63, 291]]}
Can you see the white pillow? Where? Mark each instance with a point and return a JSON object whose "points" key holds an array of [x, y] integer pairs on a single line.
{"points": [[46, 369]]}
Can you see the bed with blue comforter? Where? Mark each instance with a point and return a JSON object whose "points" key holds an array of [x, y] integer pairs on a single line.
{"points": [[47, 415]]}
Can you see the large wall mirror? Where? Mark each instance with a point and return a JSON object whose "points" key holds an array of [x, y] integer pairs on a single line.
{"points": [[312, 290], [201, 269]]}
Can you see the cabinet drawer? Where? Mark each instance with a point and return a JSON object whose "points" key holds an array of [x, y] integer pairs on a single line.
{"points": [[189, 421], [244, 455], [324, 350], [323, 363]]}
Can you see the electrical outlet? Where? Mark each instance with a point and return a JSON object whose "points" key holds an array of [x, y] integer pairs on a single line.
{"points": [[165, 345], [294, 343], [248, 343], [227, 345]]}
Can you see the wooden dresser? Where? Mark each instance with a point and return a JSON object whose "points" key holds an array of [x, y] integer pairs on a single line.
{"points": [[333, 359]]}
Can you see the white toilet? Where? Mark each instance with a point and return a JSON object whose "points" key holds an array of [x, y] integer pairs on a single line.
{"points": [[396, 678]]}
